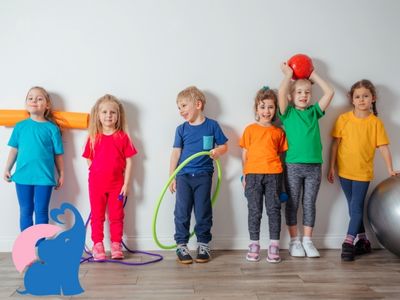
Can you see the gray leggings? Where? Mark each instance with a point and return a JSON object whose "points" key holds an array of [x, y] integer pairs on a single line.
{"points": [[257, 187], [306, 177]]}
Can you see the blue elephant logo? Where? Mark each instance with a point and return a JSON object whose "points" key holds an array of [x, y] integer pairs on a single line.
{"points": [[56, 272]]}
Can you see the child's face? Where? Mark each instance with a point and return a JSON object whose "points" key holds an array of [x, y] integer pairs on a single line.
{"points": [[36, 103], [301, 94], [266, 111], [362, 99], [189, 110], [108, 115]]}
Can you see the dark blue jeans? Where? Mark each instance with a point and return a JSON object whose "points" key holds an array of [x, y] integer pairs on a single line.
{"points": [[355, 192], [193, 191], [33, 198]]}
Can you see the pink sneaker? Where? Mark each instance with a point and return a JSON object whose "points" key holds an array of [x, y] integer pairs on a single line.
{"points": [[116, 251], [98, 252], [273, 254], [253, 253]]}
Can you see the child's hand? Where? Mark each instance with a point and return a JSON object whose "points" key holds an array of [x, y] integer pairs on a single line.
{"points": [[124, 191], [60, 182], [214, 154], [394, 173], [7, 176], [244, 181], [286, 70], [172, 186], [313, 76], [331, 175]]}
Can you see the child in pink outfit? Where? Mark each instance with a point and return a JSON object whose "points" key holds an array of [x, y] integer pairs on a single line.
{"points": [[109, 152]]}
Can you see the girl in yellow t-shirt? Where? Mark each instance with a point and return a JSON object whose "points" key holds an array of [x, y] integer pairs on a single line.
{"points": [[356, 135], [262, 144]]}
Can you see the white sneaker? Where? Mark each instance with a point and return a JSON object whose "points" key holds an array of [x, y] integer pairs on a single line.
{"points": [[296, 249], [310, 249]]}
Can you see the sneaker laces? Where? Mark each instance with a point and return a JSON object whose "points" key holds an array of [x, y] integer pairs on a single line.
{"points": [[184, 250], [273, 252], [296, 244], [204, 249], [116, 247], [254, 248]]}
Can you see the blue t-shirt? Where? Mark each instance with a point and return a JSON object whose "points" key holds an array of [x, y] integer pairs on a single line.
{"points": [[195, 138], [37, 144]]}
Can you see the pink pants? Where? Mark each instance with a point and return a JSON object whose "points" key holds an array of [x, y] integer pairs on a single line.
{"points": [[102, 196]]}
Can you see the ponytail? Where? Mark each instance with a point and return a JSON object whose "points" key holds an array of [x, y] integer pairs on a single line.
{"points": [[374, 110]]}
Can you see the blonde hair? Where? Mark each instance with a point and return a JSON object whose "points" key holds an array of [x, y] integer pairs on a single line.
{"points": [[48, 114], [192, 94], [95, 127]]}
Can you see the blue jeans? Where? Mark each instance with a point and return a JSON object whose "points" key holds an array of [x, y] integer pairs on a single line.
{"points": [[193, 191], [33, 198], [355, 192]]}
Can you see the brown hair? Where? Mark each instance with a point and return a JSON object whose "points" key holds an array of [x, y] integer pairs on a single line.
{"points": [[192, 94], [265, 93], [367, 84]]}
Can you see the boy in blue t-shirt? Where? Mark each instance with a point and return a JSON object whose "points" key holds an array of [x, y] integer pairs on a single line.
{"points": [[193, 182]]}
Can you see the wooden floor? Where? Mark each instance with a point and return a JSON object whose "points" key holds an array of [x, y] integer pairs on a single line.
{"points": [[229, 276]]}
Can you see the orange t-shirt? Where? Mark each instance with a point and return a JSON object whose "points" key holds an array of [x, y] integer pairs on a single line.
{"points": [[263, 145]]}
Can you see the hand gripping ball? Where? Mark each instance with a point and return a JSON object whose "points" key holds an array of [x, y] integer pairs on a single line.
{"points": [[301, 65]]}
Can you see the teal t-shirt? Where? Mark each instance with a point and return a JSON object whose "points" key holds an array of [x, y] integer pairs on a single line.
{"points": [[37, 144], [303, 135]]}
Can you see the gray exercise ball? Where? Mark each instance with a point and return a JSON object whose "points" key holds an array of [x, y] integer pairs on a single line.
{"points": [[384, 213]]}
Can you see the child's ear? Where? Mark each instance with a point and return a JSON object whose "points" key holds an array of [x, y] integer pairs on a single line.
{"points": [[289, 97], [199, 104]]}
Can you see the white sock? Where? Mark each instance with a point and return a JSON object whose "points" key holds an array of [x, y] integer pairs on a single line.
{"points": [[296, 238]]}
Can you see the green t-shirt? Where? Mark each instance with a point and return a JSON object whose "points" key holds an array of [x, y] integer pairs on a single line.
{"points": [[302, 132]]}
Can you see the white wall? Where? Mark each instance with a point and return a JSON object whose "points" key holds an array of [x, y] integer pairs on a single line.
{"points": [[145, 52]]}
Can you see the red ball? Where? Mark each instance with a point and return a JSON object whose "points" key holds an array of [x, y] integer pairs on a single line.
{"points": [[301, 65]]}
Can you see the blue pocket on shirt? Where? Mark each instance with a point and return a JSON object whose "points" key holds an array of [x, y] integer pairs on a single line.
{"points": [[208, 142]]}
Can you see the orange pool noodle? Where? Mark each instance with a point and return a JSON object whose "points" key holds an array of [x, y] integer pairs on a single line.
{"points": [[64, 119]]}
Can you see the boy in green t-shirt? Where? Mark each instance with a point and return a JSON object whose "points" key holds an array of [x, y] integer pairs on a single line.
{"points": [[304, 155]]}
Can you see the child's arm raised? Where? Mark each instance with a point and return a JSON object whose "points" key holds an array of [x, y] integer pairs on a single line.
{"points": [[332, 160], [284, 87], [218, 151], [176, 153], [326, 88], [12, 156], [387, 156]]}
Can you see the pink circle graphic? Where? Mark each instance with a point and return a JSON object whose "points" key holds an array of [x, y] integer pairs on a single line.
{"points": [[23, 252]]}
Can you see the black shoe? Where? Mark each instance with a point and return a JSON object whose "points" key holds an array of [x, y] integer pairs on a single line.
{"points": [[362, 246], [184, 255], [203, 253], [348, 252]]}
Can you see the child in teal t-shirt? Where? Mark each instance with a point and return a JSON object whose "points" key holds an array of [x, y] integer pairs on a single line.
{"points": [[304, 155], [37, 149]]}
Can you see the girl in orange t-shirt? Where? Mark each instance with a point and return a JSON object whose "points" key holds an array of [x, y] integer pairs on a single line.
{"points": [[262, 144], [356, 135]]}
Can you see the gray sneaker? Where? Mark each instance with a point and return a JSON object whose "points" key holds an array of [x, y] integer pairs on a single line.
{"points": [[203, 253], [184, 255]]}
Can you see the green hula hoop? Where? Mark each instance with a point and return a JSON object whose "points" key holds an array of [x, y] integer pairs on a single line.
{"points": [[173, 175]]}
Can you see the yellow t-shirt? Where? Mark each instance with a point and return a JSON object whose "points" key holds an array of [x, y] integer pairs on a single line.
{"points": [[359, 139], [263, 145]]}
